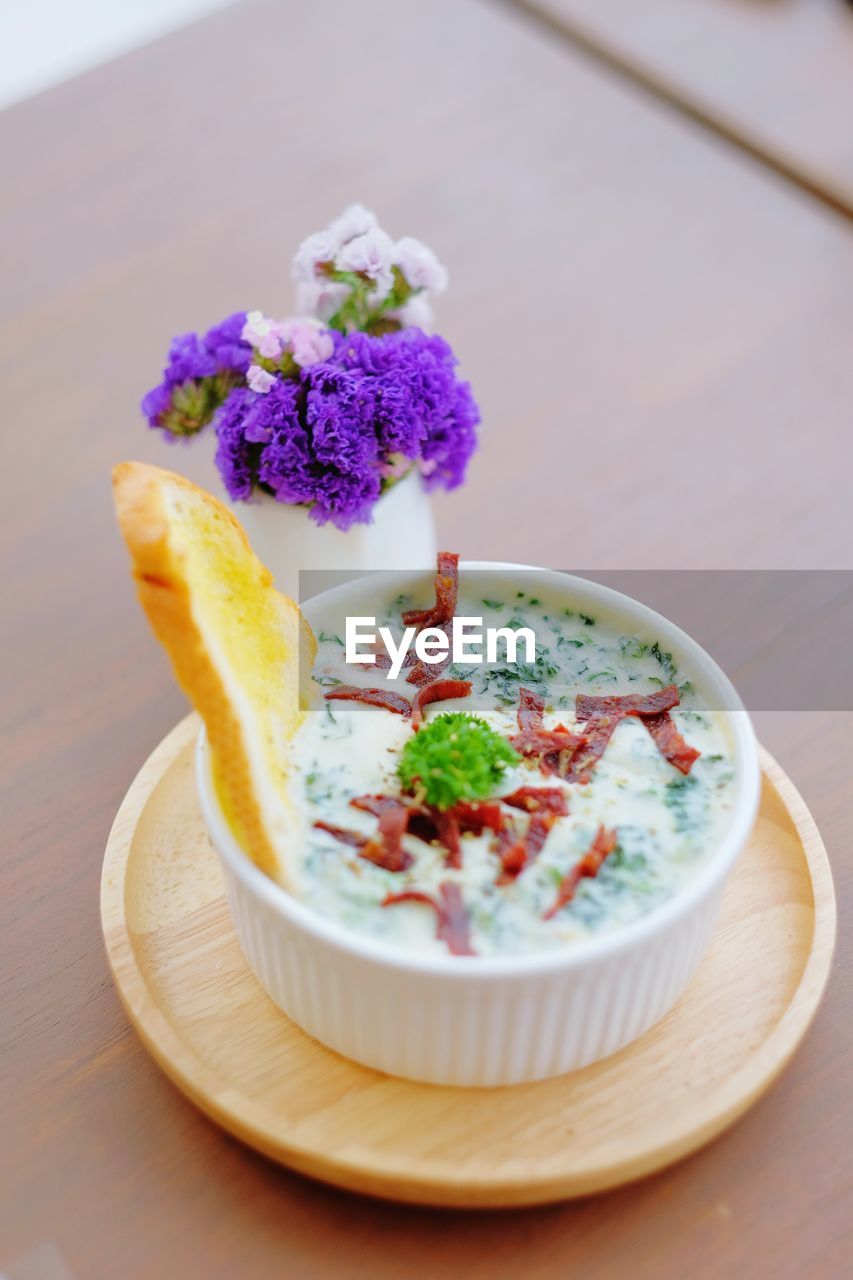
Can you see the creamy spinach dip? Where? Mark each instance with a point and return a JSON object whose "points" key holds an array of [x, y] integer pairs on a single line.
{"points": [[661, 821]]}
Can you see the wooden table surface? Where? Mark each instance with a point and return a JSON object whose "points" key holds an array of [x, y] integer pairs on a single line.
{"points": [[659, 332], [774, 76]]}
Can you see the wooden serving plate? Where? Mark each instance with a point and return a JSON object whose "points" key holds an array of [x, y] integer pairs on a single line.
{"points": [[187, 989]]}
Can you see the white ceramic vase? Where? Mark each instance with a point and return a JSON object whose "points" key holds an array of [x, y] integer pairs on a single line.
{"points": [[400, 536]]}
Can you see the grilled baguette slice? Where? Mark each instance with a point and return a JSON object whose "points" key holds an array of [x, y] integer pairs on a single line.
{"points": [[241, 652]]}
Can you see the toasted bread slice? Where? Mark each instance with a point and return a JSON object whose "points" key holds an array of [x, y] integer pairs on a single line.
{"points": [[235, 647]]}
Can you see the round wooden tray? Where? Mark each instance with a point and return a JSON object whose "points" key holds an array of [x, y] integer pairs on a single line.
{"points": [[184, 982]]}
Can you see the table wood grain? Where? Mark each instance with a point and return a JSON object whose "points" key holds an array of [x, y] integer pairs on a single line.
{"points": [[659, 335], [773, 76]]}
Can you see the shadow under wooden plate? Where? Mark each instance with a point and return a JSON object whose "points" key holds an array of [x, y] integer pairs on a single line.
{"points": [[182, 977]]}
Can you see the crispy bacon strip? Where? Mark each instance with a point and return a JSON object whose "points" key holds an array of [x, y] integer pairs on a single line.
{"points": [[385, 849], [437, 691], [446, 590], [627, 704], [383, 660], [537, 832], [373, 697], [425, 672], [440, 615], [531, 710], [531, 799], [447, 831], [604, 842], [516, 851], [553, 749], [670, 743], [452, 918], [511, 851], [598, 732], [478, 816], [447, 825], [603, 714], [426, 822], [453, 925], [353, 838], [382, 663], [422, 824], [377, 805]]}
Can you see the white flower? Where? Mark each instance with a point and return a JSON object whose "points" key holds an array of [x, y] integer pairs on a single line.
{"points": [[289, 326], [320, 298], [323, 245], [416, 313], [263, 334], [258, 379], [355, 243], [370, 255], [315, 249], [420, 266], [254, 320], [354, 221]]}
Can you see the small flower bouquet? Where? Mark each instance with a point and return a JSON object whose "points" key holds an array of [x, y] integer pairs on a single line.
{"points": [[329, 409]]}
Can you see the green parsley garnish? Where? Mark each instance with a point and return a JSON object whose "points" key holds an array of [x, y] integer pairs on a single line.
{"points": [[455, 757]]}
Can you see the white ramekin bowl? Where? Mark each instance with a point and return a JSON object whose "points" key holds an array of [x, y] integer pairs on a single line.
{"points": [[491, 1020]]}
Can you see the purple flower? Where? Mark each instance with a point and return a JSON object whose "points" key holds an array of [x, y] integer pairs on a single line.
{"points": [[424, 411], [331, 434], [188, 358], [236, 453], [156, 402], [452, 440], [225, 342], [200, 373]]}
